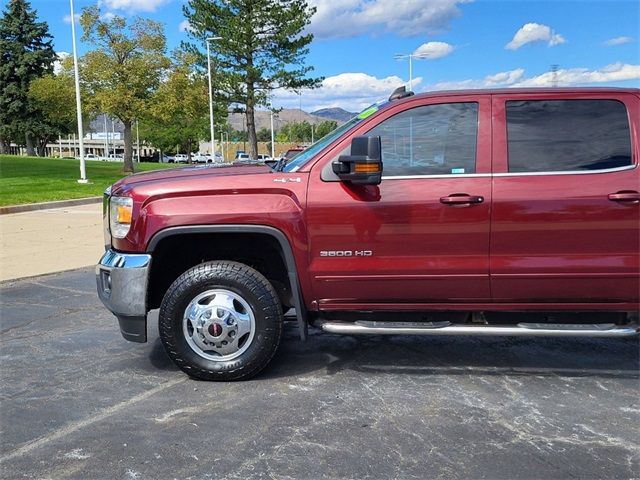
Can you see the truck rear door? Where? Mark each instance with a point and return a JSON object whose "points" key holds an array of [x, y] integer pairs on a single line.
{"points": [[565, 219]]}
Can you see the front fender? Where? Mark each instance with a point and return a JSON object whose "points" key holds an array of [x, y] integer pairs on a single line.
{"points": [[279, 236]]}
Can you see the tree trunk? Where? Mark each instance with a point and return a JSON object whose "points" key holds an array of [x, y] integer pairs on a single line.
{"points": [[3, 147], [128, 147], [251, 133], [31, 150], [42, 147], [252, 138]]}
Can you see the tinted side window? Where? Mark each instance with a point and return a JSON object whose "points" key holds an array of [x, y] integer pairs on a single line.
{"points": [[430, 140], [567, 135]]}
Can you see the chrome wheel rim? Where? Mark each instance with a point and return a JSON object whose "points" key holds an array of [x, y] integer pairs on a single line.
{"points": [[218, 325]]}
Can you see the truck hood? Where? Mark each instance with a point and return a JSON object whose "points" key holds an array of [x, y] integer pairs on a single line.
{"points": [[200, 171]]}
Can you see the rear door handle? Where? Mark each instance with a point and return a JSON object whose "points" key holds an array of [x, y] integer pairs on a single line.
{"points": [[461, 199], [625, 197]]}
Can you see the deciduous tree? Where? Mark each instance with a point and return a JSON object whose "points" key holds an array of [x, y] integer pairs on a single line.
{"points": [[177, 113], [53, 98], [124, 69], [323, 128]]}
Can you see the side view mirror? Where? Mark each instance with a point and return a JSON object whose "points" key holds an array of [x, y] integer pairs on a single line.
{"points": [[364, 165]]}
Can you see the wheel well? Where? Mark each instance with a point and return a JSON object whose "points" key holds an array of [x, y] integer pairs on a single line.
{"points": [[175, 254]]}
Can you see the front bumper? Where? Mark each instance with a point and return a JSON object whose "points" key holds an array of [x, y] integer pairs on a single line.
{"points": [[122, 281]]}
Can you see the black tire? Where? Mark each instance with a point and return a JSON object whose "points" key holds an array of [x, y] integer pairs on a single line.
{"points": [[245, 282]]}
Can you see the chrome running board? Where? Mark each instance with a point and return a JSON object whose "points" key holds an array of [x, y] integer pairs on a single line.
{"points": [[446, 328]]}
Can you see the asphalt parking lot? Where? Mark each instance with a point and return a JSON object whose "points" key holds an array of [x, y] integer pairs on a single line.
{"points": [[78, 401]]}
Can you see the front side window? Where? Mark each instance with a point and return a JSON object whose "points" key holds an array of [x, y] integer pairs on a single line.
{"points": [[567, 135], [430, 140]]}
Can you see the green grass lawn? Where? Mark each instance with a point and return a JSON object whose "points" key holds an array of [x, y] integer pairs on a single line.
{"points": [[31, 179]]}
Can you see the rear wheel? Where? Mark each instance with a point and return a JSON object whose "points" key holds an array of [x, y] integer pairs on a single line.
{"points": [[221, 321]]}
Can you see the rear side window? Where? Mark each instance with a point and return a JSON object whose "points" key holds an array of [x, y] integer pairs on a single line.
{"points": [[567, 135], [430, 140]]}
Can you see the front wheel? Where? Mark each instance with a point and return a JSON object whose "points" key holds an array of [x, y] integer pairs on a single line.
{"points": [[221, 321]]}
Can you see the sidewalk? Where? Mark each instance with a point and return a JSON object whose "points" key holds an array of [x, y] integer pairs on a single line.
{"points": [[47, 241]]}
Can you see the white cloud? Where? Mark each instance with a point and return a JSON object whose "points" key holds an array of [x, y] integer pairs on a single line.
{"points": [[616, 72], [185, 26], [504, 78], [534, 32], [67, 18], [433, 50], [618, 41], [500, 79], [351, 91], [348, 18], [57, 65], [133, 5]]}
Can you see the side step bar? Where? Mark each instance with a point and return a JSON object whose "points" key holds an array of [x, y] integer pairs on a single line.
{"points": [[446, 328]]}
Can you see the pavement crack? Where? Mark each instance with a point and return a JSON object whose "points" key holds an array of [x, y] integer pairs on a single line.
{"points": [[73, 427], [64, 289]]}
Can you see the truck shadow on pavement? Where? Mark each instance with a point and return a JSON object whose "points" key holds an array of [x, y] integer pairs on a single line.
{"points": [[328, 354], [492, 356]]}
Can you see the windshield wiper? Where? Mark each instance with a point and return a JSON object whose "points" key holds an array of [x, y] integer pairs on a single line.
{"points": [[279, 167]]}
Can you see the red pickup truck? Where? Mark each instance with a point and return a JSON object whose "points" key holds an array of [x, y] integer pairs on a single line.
{"points": [[505, 212]]}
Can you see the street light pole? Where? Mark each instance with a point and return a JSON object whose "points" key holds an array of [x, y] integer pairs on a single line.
{"points": [[221, 146], [83, 170], [273, 146], [213, 133], [410, 56], [410, 70], [106, 137], [138, 139]]}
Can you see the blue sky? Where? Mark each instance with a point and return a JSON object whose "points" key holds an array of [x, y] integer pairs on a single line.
{"points": [[468, 44]]}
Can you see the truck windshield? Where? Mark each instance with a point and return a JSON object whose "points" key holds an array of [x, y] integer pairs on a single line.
{"points": [[303, 157]]}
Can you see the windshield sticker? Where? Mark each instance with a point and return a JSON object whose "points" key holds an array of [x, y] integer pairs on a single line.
{"points": [[457, 170], [368, 112]]}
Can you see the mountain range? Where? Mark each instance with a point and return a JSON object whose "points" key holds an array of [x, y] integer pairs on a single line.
{"points": [[262, 118]]}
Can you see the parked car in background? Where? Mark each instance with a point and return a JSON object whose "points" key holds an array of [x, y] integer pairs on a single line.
{"points": [[201, 158], [164, 158], [89, 156], [181, 158], [242, 156]]}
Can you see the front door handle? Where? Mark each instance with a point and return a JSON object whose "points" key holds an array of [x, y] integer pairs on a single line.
{"points": [[626, 196], [461, 199]]}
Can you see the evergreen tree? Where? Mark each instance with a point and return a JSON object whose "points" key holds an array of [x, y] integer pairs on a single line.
{"points": [[262, 49], [26, 53]]}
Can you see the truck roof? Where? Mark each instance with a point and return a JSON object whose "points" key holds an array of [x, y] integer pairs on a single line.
{"points": [[531, 90]]}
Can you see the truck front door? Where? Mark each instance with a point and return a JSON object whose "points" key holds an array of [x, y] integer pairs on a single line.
{"points": [[422, 235]]}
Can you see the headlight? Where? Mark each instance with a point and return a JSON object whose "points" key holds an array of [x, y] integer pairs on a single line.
{"points": [[120, 212]]}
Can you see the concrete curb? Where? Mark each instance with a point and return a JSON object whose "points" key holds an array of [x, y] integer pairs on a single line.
{"points": [[30, 207]]}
